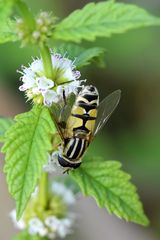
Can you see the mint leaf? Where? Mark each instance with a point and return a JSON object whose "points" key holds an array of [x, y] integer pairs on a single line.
{"points": [[7, 26], [6, 8], [81, 56], [102, 20], [5, 123], [7, 33], [111, 188], [90, 55], [26, 146]]}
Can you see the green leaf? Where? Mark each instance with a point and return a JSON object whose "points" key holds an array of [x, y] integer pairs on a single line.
{"points": [[26, 147], [81, 56], [111, 188], [7, 33], [5, 123], [6, 8], [102, 20], [7, 26], [89, 55]]}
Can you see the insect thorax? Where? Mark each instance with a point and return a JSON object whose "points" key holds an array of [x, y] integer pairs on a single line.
{"points": [[83, 113]]}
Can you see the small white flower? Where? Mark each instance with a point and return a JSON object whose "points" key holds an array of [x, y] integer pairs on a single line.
{"points": [[39, 21], [66, 194], [35, 226], [53, 164], [28, 82], [36, 34], [44, 83], [48, 91], [60, 227], [51, 226], [19, 21], [50, 96], [64, 227], [51, 235], [18, 224], [52, 222], [42, 29], [36, 66]]}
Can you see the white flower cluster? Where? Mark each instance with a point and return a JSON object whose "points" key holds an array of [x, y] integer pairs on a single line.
{"points": [[42, 30], [40, 89], [52, 226]]}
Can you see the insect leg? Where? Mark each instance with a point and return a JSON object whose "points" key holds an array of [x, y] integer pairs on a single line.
{"points": [[66, 170], [64, 98], [61, 122]]}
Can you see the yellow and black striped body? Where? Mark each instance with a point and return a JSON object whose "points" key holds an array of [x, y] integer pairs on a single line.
{"points": [[79, 127]]}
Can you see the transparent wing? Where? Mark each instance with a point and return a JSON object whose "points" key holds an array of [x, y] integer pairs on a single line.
{"points": [[61, 112], [105, 109]]}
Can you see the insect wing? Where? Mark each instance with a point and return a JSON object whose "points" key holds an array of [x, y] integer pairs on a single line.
{"points": [[105, 109], [66, 109], [55, 115], [61, 112]]}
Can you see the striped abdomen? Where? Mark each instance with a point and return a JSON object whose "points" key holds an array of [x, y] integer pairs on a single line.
{"points": [[72, 152], [75, 148]]}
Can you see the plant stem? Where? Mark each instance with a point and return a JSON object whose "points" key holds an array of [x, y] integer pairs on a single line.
{"points": [[43, 190], [26, 14], [47, 61], [30, 22]]}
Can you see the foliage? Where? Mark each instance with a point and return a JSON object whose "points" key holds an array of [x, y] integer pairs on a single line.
{"points": [[5, 123], [81, 56], [7, 32], [27, 138], [26, 146], [110, 186], [102, 20]]}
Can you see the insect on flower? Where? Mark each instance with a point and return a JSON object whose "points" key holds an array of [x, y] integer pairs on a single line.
{"points": [[79, 122]]}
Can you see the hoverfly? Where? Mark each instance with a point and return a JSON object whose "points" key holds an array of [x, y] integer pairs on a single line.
{"points": [[80, 123]]}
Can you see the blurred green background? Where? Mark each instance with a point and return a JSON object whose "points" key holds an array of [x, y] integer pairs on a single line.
{"points": [[132, 135]]}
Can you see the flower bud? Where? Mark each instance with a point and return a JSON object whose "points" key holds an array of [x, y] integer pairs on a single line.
{"points": [[44, 25]]}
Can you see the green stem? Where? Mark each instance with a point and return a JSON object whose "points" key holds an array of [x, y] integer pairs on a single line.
{"points": [[43, 190], [30, 22], [47, 61], [26, 14]]}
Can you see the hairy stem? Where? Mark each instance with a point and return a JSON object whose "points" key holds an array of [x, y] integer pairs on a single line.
{"points": [[43, 190], [47, 61], [30, 22]]}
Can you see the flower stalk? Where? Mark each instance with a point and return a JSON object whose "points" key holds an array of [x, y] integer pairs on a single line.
{"points": [[43, 191], [31, 24], [47, 61]]}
